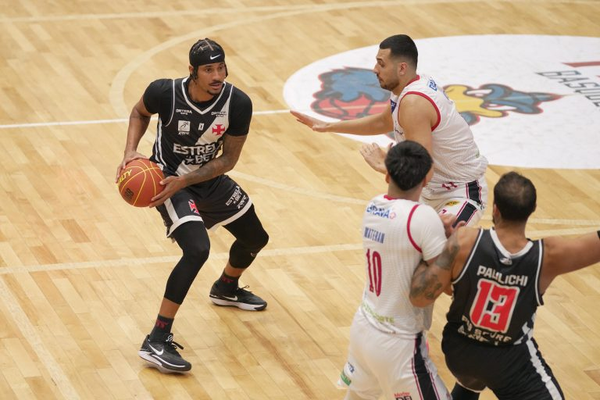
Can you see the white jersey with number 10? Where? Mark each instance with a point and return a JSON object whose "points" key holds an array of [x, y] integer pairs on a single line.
{"points": [[397, 234]]}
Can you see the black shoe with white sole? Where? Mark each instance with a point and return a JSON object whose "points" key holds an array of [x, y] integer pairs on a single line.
{"points": [[240, 298], [163, 355]]}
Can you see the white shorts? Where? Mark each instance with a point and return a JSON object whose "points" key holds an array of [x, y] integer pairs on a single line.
{"points": [[397, 367], [465, 200]]}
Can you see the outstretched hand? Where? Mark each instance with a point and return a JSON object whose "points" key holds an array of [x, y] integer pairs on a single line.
{"points": [[374, 156], [313, 123]]}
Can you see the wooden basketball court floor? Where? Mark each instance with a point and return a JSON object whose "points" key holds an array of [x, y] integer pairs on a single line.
{"points": [[82, 273]]}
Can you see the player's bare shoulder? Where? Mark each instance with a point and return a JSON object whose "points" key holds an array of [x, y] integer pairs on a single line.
{"points": [[416, 108], [464, 239]]}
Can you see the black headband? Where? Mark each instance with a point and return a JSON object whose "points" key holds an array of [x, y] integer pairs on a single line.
{"points": [[206, 51]]}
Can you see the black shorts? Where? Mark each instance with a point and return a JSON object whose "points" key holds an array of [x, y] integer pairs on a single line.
{"points": [[516, 372], [216, 202]]}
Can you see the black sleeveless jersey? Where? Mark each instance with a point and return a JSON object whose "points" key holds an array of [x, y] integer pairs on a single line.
{"points": [[497, 293], [190, 134]]}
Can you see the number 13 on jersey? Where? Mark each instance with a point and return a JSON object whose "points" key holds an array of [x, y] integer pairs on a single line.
{"points": [[494, 305]]}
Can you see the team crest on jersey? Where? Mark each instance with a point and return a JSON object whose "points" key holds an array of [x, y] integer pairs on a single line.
{"points": [[514, 99], [218, 130], [403, 396]]}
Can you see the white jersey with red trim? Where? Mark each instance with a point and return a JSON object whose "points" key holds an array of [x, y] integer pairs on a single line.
{"points": [[397, 234], [456, 157]]}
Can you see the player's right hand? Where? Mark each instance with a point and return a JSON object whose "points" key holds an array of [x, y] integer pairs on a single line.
{"points": [[313, 123], [129, 156]]}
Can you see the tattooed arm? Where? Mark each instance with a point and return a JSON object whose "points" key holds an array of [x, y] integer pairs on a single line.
{"points": [[232, 148], [432, 278]]}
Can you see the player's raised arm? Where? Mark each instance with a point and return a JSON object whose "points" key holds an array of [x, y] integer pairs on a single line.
{"points": [[563, 255]]}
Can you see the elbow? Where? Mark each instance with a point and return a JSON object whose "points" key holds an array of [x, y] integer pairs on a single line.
{"points": [[420, 301], [228, 164]]}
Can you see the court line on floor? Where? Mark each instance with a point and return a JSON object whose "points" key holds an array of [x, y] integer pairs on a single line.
{"points": [[106, 121], [59, 377], [257, 9], [131, 262], [290, 251]]}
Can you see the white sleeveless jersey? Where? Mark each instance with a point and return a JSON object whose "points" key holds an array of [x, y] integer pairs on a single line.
{"points": [[456, 157], [397, 234]]}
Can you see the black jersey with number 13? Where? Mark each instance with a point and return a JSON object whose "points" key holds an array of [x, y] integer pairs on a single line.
{"points": [[498, 292]]}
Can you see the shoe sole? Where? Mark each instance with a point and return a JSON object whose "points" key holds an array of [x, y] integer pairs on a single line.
{"points": [[156, 364], [242, 306]]}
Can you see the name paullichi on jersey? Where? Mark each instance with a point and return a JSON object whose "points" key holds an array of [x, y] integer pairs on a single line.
{"points": [[191, 136]]}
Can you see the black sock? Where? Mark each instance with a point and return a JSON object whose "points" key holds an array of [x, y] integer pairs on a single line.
{"points": [[461, 393], [162, 327], [228, 284]]}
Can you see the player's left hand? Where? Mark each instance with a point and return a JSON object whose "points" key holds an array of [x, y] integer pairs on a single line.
{"points": [[172, 185], [449, 221], [374, 156]]}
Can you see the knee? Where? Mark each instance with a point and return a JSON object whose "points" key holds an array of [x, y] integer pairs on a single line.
{"points": [[254, 241], [260, 240], [197, 252], [243, 252]]}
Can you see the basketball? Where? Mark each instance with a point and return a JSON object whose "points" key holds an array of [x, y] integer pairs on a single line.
{"points": [[139, 182]]}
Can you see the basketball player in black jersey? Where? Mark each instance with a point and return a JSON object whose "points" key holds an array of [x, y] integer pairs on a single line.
{"points": [[202, 126], [498, 278]]}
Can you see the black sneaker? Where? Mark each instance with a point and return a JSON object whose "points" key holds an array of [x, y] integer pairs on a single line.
{"points": [[241, 298], [163, 355]]}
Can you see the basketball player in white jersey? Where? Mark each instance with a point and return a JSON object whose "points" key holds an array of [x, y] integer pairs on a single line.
{"points": [[419, 110], [388, 348]]}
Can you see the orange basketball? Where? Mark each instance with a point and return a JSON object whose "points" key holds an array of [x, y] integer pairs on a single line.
{"points": [[140, 181]]}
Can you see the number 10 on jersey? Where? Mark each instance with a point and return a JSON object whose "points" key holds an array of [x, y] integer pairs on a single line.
{"points": [[374, 270]]}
